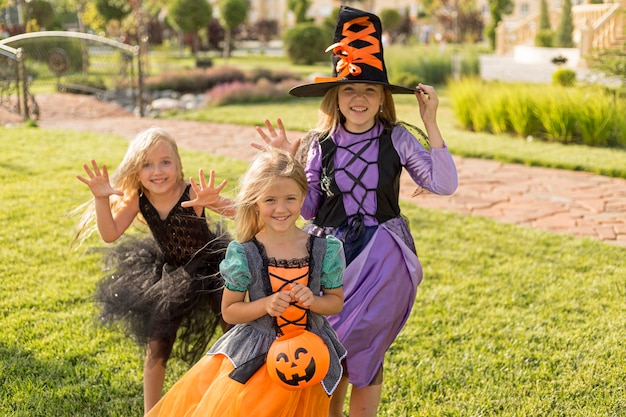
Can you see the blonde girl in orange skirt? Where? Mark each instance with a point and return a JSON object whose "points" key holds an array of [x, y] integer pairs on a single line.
{"points": [[292, 280]]}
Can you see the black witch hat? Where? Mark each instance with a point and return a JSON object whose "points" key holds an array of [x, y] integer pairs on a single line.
{"points": [[357, 56]]}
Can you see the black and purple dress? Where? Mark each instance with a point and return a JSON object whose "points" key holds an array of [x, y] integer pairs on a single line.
{"points": [[167, 286], [354, 182]]}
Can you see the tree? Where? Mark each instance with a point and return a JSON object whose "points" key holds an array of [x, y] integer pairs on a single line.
{"points": [[564, 33], [40, 11], [545, 34], [232, 14], [299, 9], [305, 44], [113, 9], [189, 16], [461, 20], [93, 19], [497, 9], [390, 19], [544, 17]]}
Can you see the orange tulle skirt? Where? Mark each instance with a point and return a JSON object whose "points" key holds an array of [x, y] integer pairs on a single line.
{"points": [[206, 390]]}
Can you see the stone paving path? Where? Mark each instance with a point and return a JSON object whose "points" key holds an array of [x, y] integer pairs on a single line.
{"points": [[581, 204]]}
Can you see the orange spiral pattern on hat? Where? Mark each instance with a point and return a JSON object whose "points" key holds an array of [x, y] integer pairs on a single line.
{"points": [[350, 57]]}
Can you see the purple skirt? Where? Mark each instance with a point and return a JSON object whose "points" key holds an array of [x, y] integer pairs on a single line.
{"points": [[379, 288]]}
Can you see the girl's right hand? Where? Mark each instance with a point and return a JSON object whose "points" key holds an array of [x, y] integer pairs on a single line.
{"points": [[276, 139], [98, 181], [277, 303]]}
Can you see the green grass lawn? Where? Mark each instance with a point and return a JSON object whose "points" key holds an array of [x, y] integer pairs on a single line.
{"points": [[509, 321]]}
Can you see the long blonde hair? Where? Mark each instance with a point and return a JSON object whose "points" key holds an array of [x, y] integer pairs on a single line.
{"points": [[270, 164], [126, 177]]}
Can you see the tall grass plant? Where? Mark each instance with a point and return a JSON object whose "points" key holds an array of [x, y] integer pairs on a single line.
{"points": [[555, 113]]}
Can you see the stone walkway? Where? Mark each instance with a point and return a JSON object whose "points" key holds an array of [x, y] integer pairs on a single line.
{"points": [[582, 204]]}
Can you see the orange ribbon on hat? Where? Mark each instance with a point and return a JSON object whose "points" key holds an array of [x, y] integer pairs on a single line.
{"points": [[350, 56]]}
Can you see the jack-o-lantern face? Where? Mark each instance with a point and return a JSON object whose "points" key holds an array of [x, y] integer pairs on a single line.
{"points": [[298, 360]]}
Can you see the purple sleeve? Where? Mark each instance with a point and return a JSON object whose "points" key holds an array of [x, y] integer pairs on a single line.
{"points": [[434, 170], [313, 171]]}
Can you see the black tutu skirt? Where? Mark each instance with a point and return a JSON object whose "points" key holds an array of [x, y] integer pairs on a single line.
{"points": [[153, 300]]}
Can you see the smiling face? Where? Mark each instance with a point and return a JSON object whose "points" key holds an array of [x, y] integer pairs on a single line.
{"points": [[159, 171], [359, 103], [280, 207]]}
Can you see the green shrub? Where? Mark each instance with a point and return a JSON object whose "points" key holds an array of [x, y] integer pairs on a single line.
{"points": [[618, 135], [79, 84], [202, 80], [495, 108], [431, 65], [470, 63], [558, 114], [257, 74], [590, 116], [544, 38], [464, 94], [262, 91], [195, 80], [596, 120], [305, 44], [564, 77], [522, 113]]}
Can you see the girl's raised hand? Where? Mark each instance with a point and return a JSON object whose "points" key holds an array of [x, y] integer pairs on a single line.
{"points": [[207, 195], [98, 181], [276, 139], [428, 102]]}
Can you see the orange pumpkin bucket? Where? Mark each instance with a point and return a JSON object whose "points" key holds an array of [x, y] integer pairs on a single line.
{"points": [[298, 360]]}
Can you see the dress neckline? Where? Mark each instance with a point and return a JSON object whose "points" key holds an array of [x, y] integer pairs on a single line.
{"points": [[285, 263]]}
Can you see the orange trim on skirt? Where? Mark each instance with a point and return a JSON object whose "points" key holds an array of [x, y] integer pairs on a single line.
{"points": [[206, 390]]}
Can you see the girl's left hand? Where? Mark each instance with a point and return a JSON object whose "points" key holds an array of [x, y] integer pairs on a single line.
{"points": [[428, 102], [302, 295], [207, 195]]}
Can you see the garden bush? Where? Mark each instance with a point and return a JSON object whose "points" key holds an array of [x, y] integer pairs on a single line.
{"points": [[545, 38], [522, 115], [430, 65], [564, 77], [203, 80], [496, 111], [79, 84], [557, 111], [589, 116], [598, 121], [248, 92], [305, 44], [194, 80]]}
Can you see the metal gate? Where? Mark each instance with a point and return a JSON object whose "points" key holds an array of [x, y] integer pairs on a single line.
{"points": [[69, 62], [14, 94]]}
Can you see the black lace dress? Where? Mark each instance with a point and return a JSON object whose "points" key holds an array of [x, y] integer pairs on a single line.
{"points": [[166, 287]]}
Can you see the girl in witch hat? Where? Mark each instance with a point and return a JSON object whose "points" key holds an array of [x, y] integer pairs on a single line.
{"points": [[354, 158]]}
